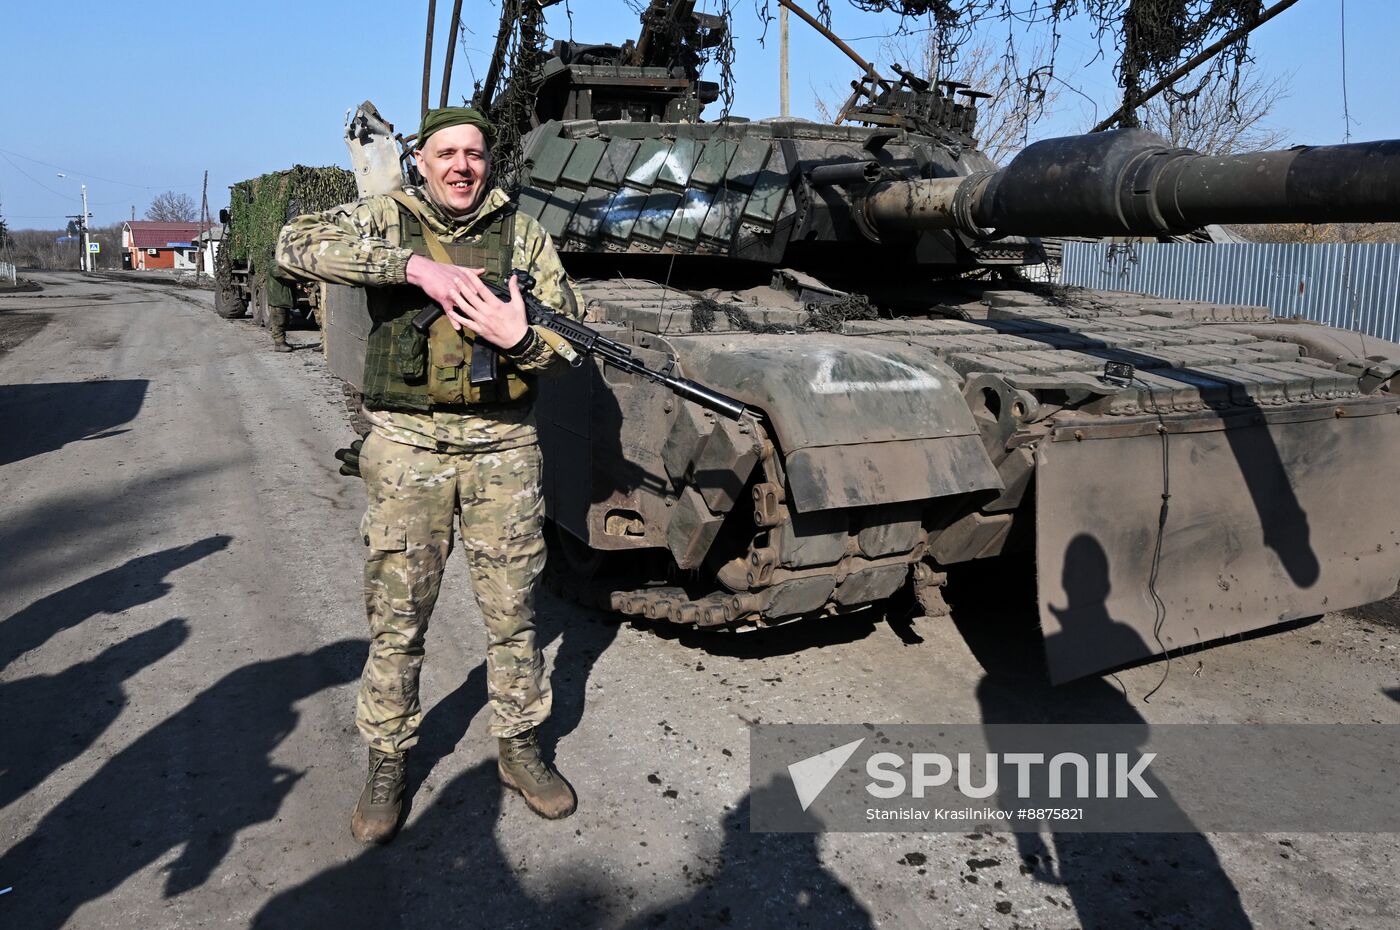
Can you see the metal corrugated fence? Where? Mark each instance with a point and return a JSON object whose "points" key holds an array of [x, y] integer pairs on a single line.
{"points": [[1351, 286]]}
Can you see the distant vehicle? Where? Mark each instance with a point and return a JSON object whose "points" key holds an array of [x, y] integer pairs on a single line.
{"points": [[256, 212]]}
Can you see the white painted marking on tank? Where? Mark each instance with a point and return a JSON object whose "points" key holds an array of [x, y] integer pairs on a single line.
{"points": [[652, 166], [915, 380]]}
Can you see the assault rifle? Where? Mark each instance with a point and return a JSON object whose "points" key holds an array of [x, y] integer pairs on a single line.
{"points": [[587, 341]]}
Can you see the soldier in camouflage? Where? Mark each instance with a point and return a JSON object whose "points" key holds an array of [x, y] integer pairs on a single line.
{"points": [[279, 302], [442, 446]]}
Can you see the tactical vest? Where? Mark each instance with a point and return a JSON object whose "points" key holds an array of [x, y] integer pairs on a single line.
{"points": [[405, 370]]}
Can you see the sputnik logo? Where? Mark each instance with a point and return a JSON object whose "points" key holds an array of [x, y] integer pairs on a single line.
{"points": [[810, 776]]}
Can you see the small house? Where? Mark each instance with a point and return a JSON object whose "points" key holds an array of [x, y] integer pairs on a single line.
{"points": [[152, 244]]}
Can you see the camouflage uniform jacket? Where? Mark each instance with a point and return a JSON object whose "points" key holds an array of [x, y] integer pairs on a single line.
{"points": [[359, 244]]}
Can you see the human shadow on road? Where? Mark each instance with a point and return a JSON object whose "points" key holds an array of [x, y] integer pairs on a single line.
{"points": [[40, 418], [191, 783], [137, 581], [1115, 880], [57, 728], [762, 880], [446, 869]]}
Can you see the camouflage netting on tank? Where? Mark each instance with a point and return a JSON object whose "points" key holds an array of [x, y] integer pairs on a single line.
{"points": [[1152, 37], [512, 110], [826, 317], [258, 209]]}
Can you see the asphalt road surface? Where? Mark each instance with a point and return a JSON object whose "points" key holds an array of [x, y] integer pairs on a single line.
{"points": [[181, 631]]}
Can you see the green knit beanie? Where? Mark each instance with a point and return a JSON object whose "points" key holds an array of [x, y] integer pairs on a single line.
{"points": [[443, 117]]}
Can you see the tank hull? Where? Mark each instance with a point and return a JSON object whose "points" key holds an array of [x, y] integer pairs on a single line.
{"points": [[889, 454]]}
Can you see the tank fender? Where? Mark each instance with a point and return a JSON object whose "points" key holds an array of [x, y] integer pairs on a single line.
{"points": [[858, 421]]}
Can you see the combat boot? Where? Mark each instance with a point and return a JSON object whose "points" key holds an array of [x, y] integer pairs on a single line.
{"points": [[280, 344], [376, 817], [523, 769]]}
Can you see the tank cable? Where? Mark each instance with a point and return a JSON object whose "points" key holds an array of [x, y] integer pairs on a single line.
{"points": [[1159, 605]]}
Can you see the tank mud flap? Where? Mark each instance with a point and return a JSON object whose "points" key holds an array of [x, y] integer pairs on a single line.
{"points": [[1264, 523]]}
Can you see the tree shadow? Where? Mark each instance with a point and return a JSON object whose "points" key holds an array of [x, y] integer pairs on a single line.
{"points": [[1115, 880], [137, 581], [58, 530], [57, 728], [191, 783], [45, 417]]}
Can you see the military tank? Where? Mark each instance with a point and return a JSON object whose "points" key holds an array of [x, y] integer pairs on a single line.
{"points": [[1177, 471]]}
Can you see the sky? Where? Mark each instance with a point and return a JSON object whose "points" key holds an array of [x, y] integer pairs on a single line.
{"points": [[135, 100]]}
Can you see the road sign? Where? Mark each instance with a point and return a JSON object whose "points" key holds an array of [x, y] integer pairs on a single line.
{"points": [[94, 247]]}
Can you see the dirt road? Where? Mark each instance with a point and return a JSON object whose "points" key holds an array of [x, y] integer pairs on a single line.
{"points": [[181, 630]]}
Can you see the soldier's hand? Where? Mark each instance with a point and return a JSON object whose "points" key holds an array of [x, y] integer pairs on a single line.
{"points": [[501, 323], [445, 285], [350, 459]]}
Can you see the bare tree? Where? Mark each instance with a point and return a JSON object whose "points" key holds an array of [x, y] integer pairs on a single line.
{"points": [[170, 207], [1208, 120], [1321, 232]]}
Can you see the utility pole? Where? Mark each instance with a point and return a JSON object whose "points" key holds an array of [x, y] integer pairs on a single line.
{"points": [[203, 228], [783, 62], [83, 225], [84, 263]]}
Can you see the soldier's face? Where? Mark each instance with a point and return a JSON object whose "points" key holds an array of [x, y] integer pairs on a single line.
{"points": [[454, 165]]}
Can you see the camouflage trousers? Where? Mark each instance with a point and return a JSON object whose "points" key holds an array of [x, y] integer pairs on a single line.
{"points": [[414, 495], [277, 323]]}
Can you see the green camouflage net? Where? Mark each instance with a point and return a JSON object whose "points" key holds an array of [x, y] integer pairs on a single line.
{"points": [[259, 207]]}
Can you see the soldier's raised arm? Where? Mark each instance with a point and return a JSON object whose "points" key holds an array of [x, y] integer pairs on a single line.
{"points": [[535, 251], [351, 244]]}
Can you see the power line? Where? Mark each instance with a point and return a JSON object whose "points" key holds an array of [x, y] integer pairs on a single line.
{"points": [[1346, 110], [32, 178], [148, 187]]}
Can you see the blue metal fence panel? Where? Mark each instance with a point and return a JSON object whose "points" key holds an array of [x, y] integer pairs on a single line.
{"points": [[1348, 285]]}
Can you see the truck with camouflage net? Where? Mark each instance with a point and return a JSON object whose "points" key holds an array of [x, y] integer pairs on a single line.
{"points": [[257, 209]]}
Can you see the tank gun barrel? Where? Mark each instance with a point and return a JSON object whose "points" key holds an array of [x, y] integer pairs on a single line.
{"points": [[1131, 182]]}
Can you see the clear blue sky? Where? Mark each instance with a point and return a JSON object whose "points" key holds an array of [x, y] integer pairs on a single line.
{"points": [[133, 100]]}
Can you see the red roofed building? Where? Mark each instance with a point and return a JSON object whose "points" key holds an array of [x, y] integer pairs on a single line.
{"points": [[151, 244]]}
